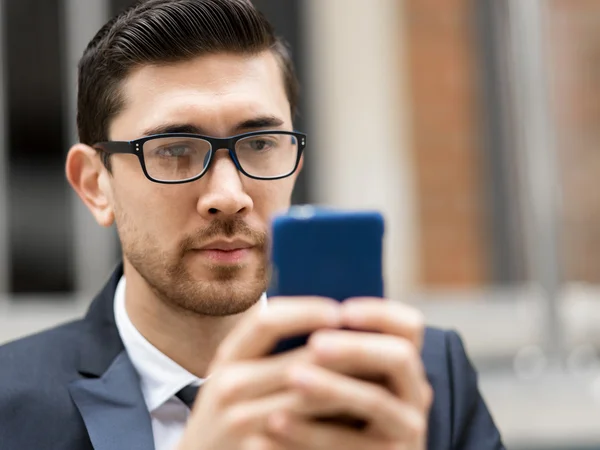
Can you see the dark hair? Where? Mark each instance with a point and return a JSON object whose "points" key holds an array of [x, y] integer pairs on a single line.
{"points": [[162, 32]]}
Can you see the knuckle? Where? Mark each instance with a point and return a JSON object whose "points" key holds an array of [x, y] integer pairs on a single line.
{"points": [[295, 372], [417, 428], [417, 324], [264, 323], [289, 374], [257, 443], [321, 337], [290, 371], [406, 353], [228, 386], [378, 397], [237, 421]]}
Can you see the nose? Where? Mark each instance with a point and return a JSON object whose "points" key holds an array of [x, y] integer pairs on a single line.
{"points": [[223, 192]]}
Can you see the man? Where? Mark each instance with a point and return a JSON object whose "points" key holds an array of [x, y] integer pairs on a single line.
{"points": [[185, 120]]}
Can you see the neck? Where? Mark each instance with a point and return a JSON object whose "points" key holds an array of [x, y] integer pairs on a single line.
{"points": [[191, 340]]}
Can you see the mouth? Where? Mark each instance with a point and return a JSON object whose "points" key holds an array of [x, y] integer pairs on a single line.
{"points": [[225, 252], [226, 246]]}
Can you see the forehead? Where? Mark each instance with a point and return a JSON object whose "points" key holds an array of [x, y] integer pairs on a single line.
{"points": [[213, 92]]}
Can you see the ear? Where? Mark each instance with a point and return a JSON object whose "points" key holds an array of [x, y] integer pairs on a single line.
{"points": [[90, 179]]}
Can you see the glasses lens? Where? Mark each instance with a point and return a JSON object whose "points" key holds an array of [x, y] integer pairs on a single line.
{"points": [[268, 155], [176, 158]]}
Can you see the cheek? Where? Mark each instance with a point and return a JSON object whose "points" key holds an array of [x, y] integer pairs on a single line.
{"points": [[151, 210], [271, 197]]}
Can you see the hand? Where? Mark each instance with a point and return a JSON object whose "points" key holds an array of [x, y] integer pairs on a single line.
{"points": [[396, 414], [245, 388]]}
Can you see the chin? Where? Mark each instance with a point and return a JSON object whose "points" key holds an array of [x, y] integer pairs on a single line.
{"points": [[221, 298], [223, 292]]}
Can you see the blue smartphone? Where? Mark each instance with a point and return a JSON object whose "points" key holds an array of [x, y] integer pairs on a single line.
{"points": [[326, 252]]}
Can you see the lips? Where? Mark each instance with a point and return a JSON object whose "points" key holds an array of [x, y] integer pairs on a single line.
{"points": [[226, 252], [227, 246]]}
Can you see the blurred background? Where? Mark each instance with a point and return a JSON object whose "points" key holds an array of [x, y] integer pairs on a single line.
{"points": [[474, 125]]}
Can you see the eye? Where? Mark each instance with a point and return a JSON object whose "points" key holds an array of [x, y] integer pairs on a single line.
{"points": [[174, 151], [260, 143]]}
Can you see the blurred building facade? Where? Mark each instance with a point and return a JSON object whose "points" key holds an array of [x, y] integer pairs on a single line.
{"points": [[469, 222], [446, 88], [574, 45], [457, 201]]}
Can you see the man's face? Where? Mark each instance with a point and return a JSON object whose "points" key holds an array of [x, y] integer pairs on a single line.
{"points": [[171, 234]]}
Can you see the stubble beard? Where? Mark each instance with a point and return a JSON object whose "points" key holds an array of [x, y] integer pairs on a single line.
{"points": [[230, 289]]}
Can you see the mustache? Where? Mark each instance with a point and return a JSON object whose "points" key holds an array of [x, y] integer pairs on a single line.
{"points": [[224, 229]]}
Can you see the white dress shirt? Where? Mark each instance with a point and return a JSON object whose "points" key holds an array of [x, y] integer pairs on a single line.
{"points": [[160, 377]]}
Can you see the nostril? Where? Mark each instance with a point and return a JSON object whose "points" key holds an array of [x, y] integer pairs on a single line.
{"points": [[213, 210]]}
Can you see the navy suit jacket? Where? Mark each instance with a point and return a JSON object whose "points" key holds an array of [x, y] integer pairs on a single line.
{"points": [[74, 388]]}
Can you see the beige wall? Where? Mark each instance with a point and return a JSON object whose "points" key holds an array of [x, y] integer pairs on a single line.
{"points": [[361, 145], [94, 248]]}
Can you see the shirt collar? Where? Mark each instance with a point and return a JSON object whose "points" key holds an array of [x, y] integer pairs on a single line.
{"points": [[160, 377]]}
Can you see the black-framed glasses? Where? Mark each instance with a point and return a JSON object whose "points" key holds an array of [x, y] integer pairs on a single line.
{"points": [[182, 157]]}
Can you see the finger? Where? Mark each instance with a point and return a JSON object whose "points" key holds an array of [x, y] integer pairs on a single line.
{"points": [[240, 421], [327, 393], [302, 434], [256, 442], [260, 442], [374, 356], [259, 333], [384, 316], [252, 416], [248, 380]]}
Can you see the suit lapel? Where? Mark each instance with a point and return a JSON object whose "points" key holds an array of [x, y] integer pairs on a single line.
{"points": [[108, 394], [113, 408]]}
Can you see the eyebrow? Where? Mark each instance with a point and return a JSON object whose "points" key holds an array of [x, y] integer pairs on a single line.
{"points": [[247, 125]]}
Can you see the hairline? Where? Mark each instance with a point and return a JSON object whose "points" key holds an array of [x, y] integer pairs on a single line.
{"points": [[118, 103]]}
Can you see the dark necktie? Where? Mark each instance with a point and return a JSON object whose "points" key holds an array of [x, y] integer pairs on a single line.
{"points": [[188, 394]]}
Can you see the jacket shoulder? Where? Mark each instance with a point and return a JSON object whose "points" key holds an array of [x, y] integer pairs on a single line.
{"points": [[39, 365], [35, 372], [50, 351], [459, 418]]}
